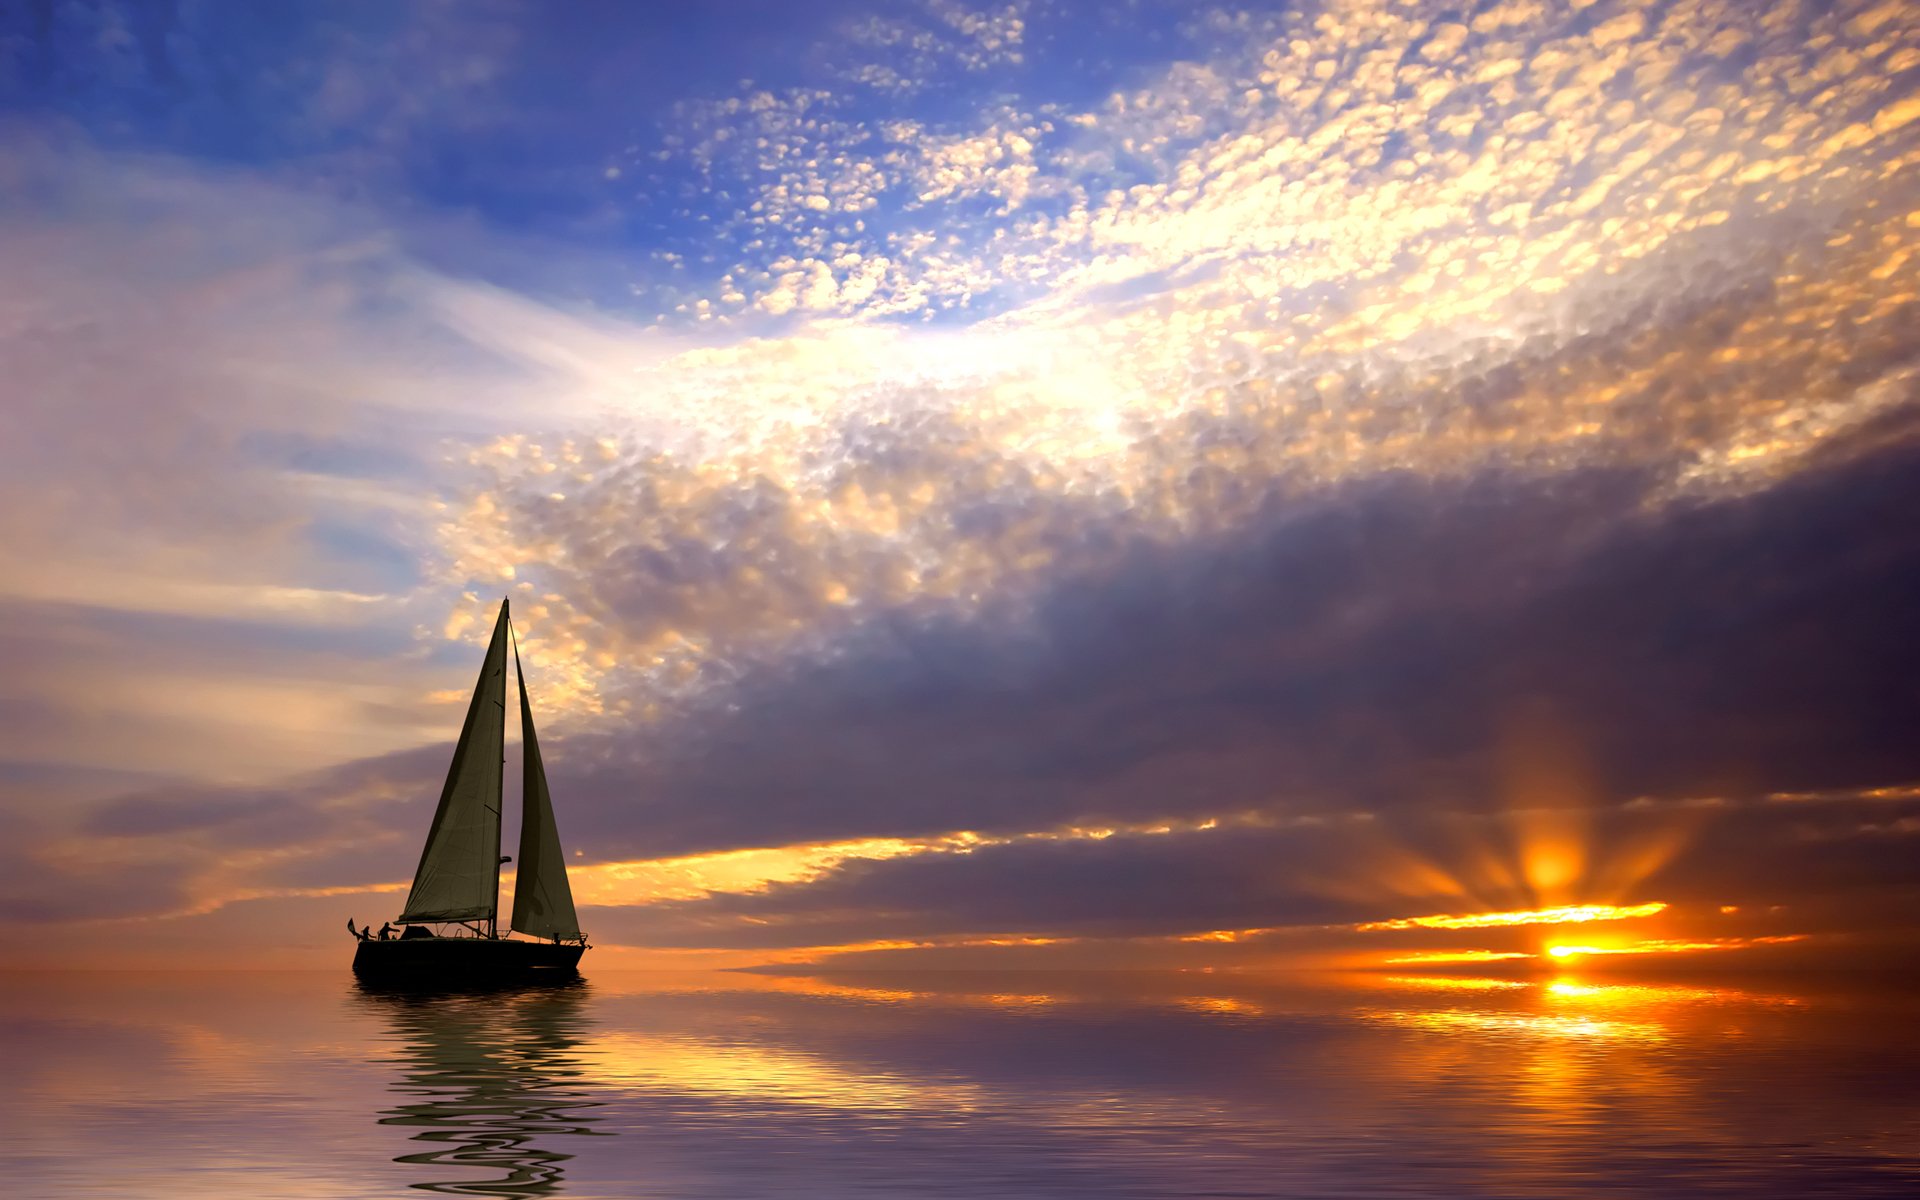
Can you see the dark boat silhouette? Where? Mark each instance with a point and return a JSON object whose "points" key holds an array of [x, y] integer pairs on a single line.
{"points": [[450, 932]]}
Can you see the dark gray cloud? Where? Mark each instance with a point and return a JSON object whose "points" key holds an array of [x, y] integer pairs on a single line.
{"points": [[1369, 651]]}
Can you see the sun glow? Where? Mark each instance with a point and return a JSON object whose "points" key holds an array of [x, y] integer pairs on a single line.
{"points": [[1571, 914], [1430, 958], [1671, 946], [1457, 983], [1574, 951]]}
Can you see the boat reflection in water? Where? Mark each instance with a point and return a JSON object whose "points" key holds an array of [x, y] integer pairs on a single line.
{"points": [[492, 1082]]}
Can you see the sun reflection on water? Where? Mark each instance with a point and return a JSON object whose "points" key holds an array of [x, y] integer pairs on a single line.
{"points": [[1224, 1005], [1522, 1024], [1563, 1007], [746, 1070]]}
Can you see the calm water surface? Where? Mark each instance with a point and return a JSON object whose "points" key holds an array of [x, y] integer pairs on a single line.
{"points": [[961, 1085]]}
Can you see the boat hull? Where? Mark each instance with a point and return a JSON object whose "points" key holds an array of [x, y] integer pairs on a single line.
{"points": [[463, 960]]}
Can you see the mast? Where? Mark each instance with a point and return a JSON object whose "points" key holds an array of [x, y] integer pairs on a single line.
{"points": [[500, 773], [458, 878]]}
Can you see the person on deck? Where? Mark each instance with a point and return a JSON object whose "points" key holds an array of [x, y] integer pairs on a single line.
{"points": [[386, 931]]}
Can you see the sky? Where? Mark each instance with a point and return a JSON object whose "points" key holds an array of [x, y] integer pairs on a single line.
{"points": [[1358, 482]]}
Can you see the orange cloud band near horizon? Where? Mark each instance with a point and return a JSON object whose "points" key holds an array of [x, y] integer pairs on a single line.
{"points": [[1572, 914]]}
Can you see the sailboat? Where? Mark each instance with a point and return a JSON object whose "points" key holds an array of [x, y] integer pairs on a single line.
{"points": [[450, 930]]}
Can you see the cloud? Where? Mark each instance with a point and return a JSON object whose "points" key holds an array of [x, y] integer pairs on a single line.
{"points": [[221, 470], [871, 476], [1367, 649], [917, 50], [1263, 891], [1342, 145]]}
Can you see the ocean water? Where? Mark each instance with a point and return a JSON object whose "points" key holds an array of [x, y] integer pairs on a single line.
{"points": [[957, 1085]]}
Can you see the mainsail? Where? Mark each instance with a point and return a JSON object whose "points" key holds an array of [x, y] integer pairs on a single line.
{"points": [[542, 901], [459, 874]]}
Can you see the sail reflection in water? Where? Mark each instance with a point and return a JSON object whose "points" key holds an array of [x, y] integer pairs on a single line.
{"points": [[493, 1083]]}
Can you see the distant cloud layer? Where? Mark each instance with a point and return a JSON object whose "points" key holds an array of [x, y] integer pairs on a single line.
{"points": [[1168, 493]]}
